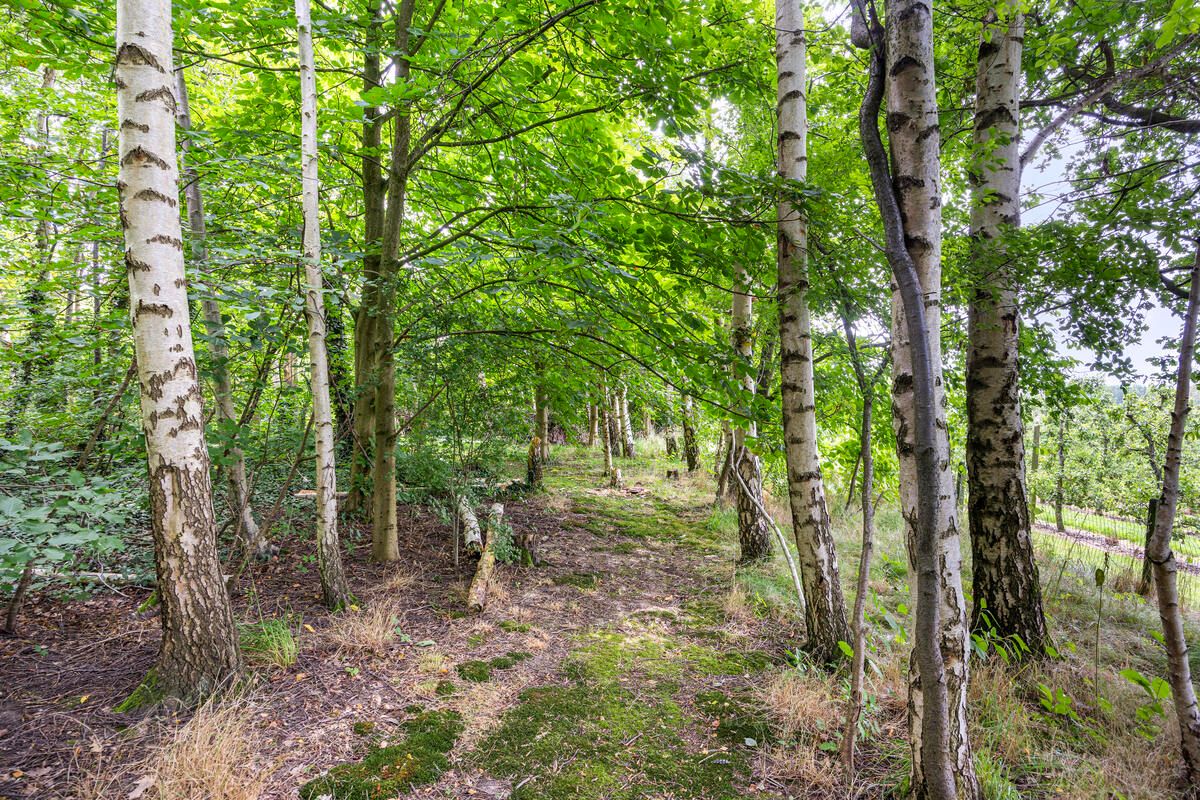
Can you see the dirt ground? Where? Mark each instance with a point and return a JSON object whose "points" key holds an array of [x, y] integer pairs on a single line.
{"points": [[75, 661]]}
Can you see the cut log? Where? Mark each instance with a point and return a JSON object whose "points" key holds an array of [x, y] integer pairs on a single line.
{"points": [[477, 594], [469, 524]]}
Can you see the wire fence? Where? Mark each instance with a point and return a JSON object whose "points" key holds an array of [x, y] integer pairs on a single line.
{"points": [[1094, 539]]}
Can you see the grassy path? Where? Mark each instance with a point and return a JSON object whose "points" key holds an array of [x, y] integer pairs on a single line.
{"points": [[610, 671]]}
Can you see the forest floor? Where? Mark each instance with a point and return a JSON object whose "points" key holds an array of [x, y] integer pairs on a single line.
{"points": [[608, 671], [635, 662]]}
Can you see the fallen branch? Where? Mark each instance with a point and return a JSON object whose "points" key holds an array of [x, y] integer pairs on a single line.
{"points": [[477, 594], [472, 536]]}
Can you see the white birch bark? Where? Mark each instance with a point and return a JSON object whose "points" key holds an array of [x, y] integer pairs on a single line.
{"points": [[626, 423], [915, 143], [753, 534], [334, 589], [239, 495], [1006, 589], [1159, 554], [199, 651], [811, 526]]}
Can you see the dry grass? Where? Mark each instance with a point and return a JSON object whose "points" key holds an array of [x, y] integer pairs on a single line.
{"points": [[801, 706], [737, 604], [432, 662], [367, 630], [211, 757], [482, 705], [397, 582], [815, 770]]}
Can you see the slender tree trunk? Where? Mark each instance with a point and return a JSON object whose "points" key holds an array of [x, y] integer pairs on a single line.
{"points": [[1146, 583], [754, 540], [1059, 477], [340, 382], [910, 203], [854, 705], [825, 617], [541, 403], [691, 447], [239, 493], [1007, 592], [199, 651], [614, 421], [647, 422], [1159, 553], [627, 447], [385, 544], [593, 424], [334, 589], [358, 498], [1033, 465], [606, 437]]}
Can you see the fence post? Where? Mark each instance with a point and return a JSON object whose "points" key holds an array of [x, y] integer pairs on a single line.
{"points": [[1147, 572]]}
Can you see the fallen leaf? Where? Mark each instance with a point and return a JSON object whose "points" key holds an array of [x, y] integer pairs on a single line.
{"points": [[139, 788]]}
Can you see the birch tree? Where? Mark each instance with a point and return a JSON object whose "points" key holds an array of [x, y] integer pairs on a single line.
{"points": [[825, 607], [907, 189], [334, 589], [199, 651], [1006, 589], [754, 542], [214, 326], [1159, 554]]}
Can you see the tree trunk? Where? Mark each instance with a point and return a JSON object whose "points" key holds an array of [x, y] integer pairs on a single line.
{"points": [[1146, 583], [910, 203], [365, 355], [593, 424], [239, 495], [614, 422], [1006, 589], [535, 465], [855, 702], [1159, 553], [334, 589], [385, 545], [1059, 523], [825, 618], [626, 423], [754, 540], [606, 437], [541, 402], [1033, 465], [199, 652], [691, 447]]}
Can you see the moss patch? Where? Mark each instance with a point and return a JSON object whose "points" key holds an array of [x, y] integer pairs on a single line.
{"points": [[445, 688], [739, 720], [388, 771], [474, 671], [512, 626], [623, 746], [580, 580], [146, 694], [620, 721]]}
